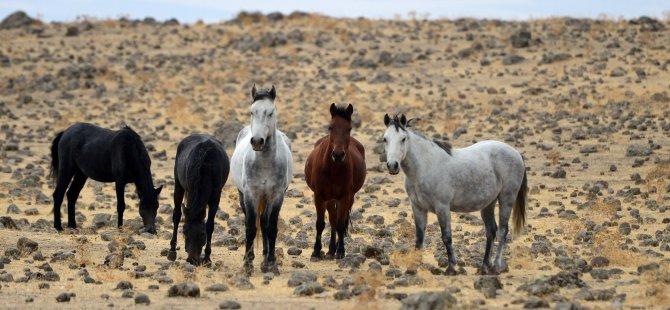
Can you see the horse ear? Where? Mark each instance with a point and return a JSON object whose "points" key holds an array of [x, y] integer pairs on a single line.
{"points": [[158, 190], [333, 110], [273, 93], [387, 120], [253, 91], [350, 109], [403, 120]]}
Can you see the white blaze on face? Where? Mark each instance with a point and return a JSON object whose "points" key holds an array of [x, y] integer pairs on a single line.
{"points": [[395, 144]]}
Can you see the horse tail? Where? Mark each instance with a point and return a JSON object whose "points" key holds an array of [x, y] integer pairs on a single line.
{"points": [[53, 170], [261, 209], [519, 211]]}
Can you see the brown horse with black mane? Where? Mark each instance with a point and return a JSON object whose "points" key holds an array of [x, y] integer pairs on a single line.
{"points": [[335, 171]]}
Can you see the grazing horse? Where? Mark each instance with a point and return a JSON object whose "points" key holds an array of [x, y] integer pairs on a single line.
{"points": [[262, 168], [88, 151], [200, 171], [440, 179], [335, 172]]}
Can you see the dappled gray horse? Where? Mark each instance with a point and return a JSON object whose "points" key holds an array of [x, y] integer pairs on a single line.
{"points": [[262, 170], [440, 179]]}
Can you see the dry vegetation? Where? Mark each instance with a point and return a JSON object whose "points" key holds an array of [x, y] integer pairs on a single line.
{"points": [[587, 106]]}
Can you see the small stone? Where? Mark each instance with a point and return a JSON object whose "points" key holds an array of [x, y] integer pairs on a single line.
{"points": [[124, 285], [230, 304], [184, 289], [64, 297], [294, 251], [308, 289], [429, 300], [26, 246], [534, 302], [142, 299], [300, 277], [600, 261], [217, 288]]}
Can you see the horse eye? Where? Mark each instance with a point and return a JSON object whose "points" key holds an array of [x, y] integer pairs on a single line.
{"points": [[330, 128], [384, 140], [403, 139], [270, 113]]}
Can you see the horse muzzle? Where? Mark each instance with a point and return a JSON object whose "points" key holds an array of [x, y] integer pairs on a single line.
{"points": [[338, 157], [393, 167], [259, 144]]}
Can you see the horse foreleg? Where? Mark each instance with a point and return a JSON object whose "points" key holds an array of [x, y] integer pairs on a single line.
{"points": [[488, 216], [178, 197], [265, 223], [320, 225], [120, 202], [343, 208], [72, 195], [272, 235], [503, 218], [420, 220], [250, 232], [332, 219], [444, 218], [211, 214]]}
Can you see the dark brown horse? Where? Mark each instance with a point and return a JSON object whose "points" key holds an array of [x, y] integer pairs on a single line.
{"points": [[335, 171]]}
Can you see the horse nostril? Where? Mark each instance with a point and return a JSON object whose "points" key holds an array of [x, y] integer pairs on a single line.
{"points": [[261, 141]]}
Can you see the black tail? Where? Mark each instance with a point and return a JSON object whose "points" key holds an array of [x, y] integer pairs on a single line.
{"points": [[53, 171]]}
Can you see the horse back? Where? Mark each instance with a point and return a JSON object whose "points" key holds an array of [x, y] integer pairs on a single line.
{"points": [[201, 157]]}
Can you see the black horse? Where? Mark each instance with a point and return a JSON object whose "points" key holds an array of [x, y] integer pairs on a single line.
{"points": [[88, 151], [200, 171]]}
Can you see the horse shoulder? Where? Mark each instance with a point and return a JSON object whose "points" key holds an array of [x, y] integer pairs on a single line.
{"points": [[359, 146]]}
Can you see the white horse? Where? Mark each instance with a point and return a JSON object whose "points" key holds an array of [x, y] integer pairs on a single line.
{"points": [[262, 168], [440, 180]]}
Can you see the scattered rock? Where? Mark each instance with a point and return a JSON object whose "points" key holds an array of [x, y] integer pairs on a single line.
{"points": [[230, 304], [184, 289], [429, 300]]}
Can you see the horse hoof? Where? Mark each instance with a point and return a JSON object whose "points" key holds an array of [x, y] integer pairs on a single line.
{"points": [[450, 271], [339, 255], [207, 262], [172, 256], [59, 228], [315, 259]]}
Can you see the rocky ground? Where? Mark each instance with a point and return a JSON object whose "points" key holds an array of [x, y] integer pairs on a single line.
{"points": [[585, 102]]}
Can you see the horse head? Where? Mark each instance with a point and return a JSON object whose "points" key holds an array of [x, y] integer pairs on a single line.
{"points": [[263, 117], [395, 141], [149, 208], [340, 131]]}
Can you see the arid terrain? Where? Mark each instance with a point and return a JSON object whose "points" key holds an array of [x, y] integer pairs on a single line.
{"points": [[585, 101]]}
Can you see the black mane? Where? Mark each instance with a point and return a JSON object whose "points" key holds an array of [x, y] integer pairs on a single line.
{"points": [[342, 112], [263, 94], [444, 145]]}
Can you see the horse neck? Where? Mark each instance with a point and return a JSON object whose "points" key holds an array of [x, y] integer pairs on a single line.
{"points": [[271, 146], [416, 153], [143, 181]]}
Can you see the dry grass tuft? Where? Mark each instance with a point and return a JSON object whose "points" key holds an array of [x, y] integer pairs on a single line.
{"points": [[607, 242], [409, 259], [83, 254], [656, 286]]}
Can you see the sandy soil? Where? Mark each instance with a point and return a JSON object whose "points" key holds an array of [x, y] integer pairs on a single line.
{"points": [[592, 124]]}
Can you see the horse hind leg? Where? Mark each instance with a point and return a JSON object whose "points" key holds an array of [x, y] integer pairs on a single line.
{"points": [[65, 173], [343, 207], [505, 212], [72, 194], [488, 216]]}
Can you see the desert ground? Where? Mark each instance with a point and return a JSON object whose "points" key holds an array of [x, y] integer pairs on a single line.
{"points": [[585, 102]]}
